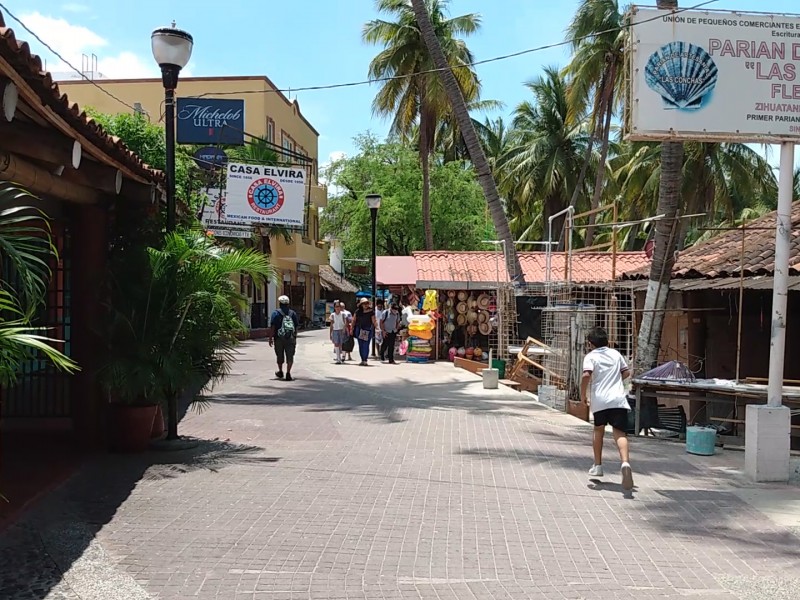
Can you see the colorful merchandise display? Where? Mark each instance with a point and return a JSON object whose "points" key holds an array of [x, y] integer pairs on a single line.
{"points": [[420, 336]]}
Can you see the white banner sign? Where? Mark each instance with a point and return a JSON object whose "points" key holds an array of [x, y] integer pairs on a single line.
{"points": [[214, 218], [266, 194], [714, 76]]}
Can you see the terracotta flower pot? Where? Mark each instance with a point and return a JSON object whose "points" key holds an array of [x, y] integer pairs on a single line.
{"points": [[131, 427], [158, 424], [578, 409]]}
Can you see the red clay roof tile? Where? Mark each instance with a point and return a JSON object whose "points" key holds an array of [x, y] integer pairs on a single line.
{"points": [[721, 256], [18, 54]]}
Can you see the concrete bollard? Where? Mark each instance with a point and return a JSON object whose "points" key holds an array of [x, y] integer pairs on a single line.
{"points": [[491, 379]]}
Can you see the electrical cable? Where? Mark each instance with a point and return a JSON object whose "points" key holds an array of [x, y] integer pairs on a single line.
{"points": [[64, 60], [465, 66]]}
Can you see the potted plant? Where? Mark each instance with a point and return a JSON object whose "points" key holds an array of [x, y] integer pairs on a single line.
{"points": [[173, 328]]}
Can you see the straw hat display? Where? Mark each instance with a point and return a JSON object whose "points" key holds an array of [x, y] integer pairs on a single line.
{"points": [[472, 303], [485, 328], [462, 296], [483, 301], [461, 307], [451, 293], [483, 317], [449, 303], [450, 328], [472, 329], [472, 316], [461, 319]]}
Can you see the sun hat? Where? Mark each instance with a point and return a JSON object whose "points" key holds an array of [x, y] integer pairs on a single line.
{"points": [[362, 301]]}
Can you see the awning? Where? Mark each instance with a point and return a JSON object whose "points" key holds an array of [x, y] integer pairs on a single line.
{"points": [[762, 282], [396, 270]]}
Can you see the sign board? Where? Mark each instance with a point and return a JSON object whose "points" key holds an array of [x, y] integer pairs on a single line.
{"points": [[214, 218], [266, 194], [209, 158], [210, 121], [714, 76]]}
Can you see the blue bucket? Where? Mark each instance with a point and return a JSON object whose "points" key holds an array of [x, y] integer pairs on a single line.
{"points": [[701, 440]]}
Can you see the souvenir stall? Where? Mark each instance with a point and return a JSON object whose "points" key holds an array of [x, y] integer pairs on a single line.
{"points": [[467, 320]]}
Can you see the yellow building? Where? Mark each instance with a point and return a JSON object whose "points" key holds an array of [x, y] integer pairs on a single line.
{"points": [[269, 115]]}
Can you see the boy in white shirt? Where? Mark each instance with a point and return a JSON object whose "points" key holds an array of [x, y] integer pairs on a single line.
{"points": [[605, 369]]}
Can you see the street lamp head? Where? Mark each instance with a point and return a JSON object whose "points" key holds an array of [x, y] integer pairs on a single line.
{"points": [[172, 49], [374, 201]]}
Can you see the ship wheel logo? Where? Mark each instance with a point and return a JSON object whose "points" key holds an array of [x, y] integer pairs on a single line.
{"points": [[265, 196]]}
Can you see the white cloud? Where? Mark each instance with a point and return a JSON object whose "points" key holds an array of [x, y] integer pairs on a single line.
{"points": [[72, 42], [336, 155], [75, 7]]}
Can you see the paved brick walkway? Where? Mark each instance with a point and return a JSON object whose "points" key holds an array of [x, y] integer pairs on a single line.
{"points": [[411, 482]]}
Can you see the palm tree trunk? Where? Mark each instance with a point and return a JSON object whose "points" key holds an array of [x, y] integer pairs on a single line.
{"points": [[608, 102], [666, 238], [425, 162], [476, 153]]}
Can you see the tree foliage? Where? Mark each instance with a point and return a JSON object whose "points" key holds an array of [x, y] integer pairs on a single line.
{"points": [[392, 169]]}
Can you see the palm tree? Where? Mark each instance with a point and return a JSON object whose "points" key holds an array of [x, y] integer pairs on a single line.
{"points": [[458, 99], [547, 154], [449, 140], [26, 248], [177, 329], [411, 94], [597, 77]]}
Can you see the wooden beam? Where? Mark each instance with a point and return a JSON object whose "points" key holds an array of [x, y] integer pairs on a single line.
{"points": [[95, 175], [8, 98], [139, 192], [39, 181], [40, 144], [32, 99]]}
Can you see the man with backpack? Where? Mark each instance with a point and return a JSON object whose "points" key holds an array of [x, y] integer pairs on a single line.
{"points": [[284, 324]]}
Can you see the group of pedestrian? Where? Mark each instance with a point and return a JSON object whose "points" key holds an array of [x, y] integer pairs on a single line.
{"points": [[602, 383], [366, 325]]}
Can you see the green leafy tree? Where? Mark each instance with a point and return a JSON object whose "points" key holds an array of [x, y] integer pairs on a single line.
{"points": [[393, 170], [411, 95]]}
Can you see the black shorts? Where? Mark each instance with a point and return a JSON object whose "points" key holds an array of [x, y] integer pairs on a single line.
{"points": [[285, 348], [616, 417]]}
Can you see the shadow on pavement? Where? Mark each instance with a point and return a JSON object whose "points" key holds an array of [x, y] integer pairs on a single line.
{"points": [[43, 544], [376, 399]]}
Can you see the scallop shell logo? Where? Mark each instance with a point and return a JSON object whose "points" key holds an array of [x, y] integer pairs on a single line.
{"points": [[684, 75]]}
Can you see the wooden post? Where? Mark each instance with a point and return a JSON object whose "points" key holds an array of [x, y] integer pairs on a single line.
{"points": [[40, 181]]}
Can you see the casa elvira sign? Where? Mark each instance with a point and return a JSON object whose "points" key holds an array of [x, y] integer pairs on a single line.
{"points": [[210, 121]]}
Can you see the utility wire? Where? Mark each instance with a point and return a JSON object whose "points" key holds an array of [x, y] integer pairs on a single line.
{"points": [[363, 82], [64, 60], [464, 66]]}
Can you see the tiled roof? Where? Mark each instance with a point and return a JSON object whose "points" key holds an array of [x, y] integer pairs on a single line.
{"points": [[396, 270], [721, 256], [489, 267], [29, 67], [331, 280]]}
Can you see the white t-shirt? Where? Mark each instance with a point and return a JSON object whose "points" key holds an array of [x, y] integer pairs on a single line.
{"points": [[339, 321], [607, 389]]}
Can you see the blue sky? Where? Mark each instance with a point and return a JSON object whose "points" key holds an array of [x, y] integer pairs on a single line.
{"points": [[303, 43]]}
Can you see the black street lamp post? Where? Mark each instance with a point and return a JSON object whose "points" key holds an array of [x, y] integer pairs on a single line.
{"points": [[172, 49], [374, 203]]}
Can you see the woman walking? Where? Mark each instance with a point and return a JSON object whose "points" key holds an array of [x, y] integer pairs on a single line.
{"points": [[364, 325]]}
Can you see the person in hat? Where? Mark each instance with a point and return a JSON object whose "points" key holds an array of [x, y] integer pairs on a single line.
{"points": [[604, 372], [284, 324], [364, 325]]}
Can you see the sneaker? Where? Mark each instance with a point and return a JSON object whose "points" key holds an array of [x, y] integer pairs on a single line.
{"points": [[627, 476], [289, 377], [279, 374], [596, 471]]}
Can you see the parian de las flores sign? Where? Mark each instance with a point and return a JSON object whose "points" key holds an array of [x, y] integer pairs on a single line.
{"points": [[266, 194], [714, 75], [215, 219]]}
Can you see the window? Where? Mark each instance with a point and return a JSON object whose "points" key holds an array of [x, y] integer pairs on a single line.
{"points": [[286, 144], [270, 130]]}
